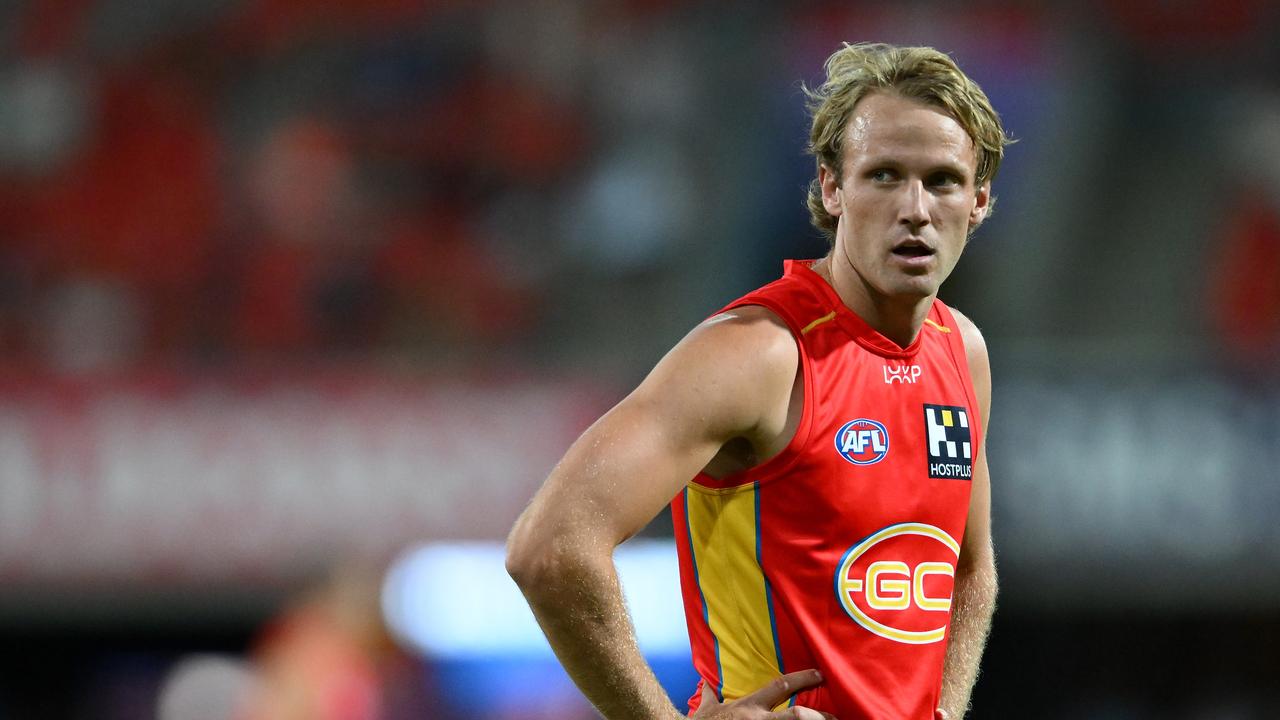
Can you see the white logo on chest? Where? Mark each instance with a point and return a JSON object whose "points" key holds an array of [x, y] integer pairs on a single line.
{"points": [[901, 373], [863, 441]]}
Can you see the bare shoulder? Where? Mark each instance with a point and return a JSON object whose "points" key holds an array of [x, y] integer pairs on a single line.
{"points": [[746, 344], [732, 371], [752, 328], [975, 346]]}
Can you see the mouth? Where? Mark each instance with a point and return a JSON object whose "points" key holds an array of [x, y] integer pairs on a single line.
{"points": [[913, 249]]}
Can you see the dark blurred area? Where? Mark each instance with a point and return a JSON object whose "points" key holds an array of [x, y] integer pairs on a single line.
{"points": [[288, 285]]}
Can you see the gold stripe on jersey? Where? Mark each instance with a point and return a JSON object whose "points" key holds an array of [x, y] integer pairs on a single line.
{"points": [[936, 326], [825, 318], [722, 531]]}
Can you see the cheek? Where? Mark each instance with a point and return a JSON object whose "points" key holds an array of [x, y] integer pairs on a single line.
{"points": [[858, 241], [872, 212], [954, 217], [958, 207]]}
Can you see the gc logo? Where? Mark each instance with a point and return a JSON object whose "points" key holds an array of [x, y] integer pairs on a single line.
{"points": [[872, 579]]}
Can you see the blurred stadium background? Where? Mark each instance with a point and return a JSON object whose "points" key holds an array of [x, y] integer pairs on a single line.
{"points": [[293, 289]]}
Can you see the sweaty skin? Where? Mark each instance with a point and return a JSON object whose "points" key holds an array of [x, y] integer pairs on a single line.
{"points": [[726, 397], [730, 378]]}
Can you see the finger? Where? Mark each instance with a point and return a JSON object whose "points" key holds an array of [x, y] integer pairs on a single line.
{"points": [[799, 712], [783, 687]]}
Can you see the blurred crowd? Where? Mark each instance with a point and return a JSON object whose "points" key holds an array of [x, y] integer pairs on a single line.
{"points": [[199, 182], [207, 181]]}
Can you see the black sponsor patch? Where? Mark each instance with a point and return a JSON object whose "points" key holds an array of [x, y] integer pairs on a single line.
{"points": [[948, 442]]}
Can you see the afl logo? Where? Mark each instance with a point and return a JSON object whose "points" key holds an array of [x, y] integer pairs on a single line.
{"points": [[897, 583], [862, 441]]}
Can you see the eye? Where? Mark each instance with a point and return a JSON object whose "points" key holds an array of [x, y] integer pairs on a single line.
{"points": [[944, 180], [882, 175]]}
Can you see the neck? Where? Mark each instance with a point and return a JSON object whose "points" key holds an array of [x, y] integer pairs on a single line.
{"points": [[897, 318]]}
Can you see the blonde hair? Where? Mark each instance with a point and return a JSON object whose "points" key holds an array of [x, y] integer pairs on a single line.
{"points": [[919, 73]]}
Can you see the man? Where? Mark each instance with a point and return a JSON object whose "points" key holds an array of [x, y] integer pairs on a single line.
{"points": [[822, 439]]}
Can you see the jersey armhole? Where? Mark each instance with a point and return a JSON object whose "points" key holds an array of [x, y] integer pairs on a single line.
{"points": [[960, 357], [779, 463]]}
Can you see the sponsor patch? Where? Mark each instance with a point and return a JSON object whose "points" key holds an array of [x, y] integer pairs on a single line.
{"points": [[862, 441], [902, 374], [948, 442]]}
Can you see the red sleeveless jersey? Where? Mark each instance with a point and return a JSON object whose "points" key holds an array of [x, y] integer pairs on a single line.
{"points": [[839, 553]]}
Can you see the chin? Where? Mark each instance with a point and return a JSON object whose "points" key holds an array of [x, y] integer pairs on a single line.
{"points": [[915, 288]]}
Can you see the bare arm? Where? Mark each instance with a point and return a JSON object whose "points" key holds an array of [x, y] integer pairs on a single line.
{"points": [[973, 601], [730, 377]]}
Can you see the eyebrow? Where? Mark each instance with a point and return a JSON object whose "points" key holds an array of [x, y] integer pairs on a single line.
{"points": [[890, 161]]}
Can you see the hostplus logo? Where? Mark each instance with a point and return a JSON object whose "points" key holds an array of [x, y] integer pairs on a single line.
{"points": [[949, 442]]}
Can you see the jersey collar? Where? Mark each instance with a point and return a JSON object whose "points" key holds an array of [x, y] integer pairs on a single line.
{"points": [[857, 328]]}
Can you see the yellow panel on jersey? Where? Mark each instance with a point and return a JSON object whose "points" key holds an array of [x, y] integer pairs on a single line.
{"points": [[722, 529]]}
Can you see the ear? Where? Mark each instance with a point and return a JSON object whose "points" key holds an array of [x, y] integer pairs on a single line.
{"points": [[830, 190], [981, 206]]}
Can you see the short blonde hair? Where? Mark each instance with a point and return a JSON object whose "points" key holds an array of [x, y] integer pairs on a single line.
{"points": [[919, 73]]}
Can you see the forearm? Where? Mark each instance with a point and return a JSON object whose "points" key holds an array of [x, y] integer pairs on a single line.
{"points": [[973, 603], [578, 602]]}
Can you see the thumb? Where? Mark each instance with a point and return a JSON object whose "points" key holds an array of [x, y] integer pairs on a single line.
{"points": [[707, 700]]}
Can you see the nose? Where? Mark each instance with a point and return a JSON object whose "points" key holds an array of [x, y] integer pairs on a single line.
{"points": [[913, 211]]}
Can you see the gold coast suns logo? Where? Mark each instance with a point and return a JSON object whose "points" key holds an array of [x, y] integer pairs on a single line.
{"points": [[897, 582]]}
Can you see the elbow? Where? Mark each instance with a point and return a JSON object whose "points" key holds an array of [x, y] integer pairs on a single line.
{"points": [[547, 560], [523, 568], [524, 561], [537, 555]]}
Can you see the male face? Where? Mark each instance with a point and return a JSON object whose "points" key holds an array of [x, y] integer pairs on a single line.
{"points": [[907, 197]]}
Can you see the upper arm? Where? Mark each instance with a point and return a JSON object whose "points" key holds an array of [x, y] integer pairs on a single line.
{"points": [[729, 377], [977, 536]]}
